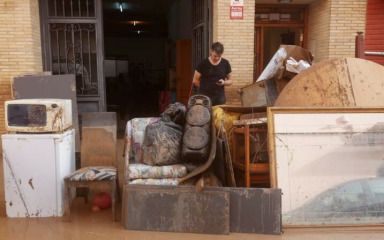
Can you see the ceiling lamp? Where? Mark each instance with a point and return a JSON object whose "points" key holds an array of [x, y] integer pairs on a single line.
{"points": [[121, 6], [284, 1]]}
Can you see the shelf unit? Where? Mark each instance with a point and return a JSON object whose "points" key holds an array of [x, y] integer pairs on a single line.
{"points": [[250, 169]]}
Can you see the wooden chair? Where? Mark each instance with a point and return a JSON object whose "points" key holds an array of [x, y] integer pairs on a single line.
{"points": [[98, 159], [251, 171]]}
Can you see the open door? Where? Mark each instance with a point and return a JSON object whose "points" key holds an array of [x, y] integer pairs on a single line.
{"points": [[276, 25], [183, 69]]}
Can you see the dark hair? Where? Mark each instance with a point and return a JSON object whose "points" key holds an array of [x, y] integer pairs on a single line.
{"points": [[217, 47]]}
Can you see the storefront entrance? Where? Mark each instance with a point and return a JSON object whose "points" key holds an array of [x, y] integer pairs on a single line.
{"points": [[126, 53]]}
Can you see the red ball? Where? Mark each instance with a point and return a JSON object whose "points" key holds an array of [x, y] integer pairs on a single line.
{"points": [[102, 200]]}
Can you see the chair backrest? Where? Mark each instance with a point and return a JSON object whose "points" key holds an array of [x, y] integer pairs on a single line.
{"points": [[98, 144]]}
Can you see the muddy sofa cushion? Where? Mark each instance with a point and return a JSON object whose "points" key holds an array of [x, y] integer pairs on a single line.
{"points": [[92, 174], [154, 181], [136, 171]]}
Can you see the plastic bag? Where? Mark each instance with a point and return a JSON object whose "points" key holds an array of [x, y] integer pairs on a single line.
{"points": [[274, 65], [174, 113], [296, 67], [162, 142]]}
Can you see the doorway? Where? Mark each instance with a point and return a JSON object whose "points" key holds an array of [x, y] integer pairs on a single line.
{"points": [[276, 25], [124, 52], [140, 53], [150, 47], [275, 36], [71, 35]]}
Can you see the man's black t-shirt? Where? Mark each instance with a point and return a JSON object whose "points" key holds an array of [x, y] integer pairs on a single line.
{"points": [[210, 74]]}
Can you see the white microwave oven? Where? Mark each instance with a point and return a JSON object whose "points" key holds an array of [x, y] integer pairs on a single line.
{"points": [[38, 115]]}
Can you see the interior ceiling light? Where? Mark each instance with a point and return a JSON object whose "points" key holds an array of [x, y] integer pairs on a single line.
{"points": [[121, 7], [138, 32], [135, 23], [284, 1]]}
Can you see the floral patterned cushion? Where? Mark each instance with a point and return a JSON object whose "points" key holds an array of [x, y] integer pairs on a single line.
{"points": [[152, 181], [136, 171], [135, 132], [92, 173]]}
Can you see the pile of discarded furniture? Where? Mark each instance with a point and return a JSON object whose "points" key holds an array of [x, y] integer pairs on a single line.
{"points": [[180, 163], [221, 169]]}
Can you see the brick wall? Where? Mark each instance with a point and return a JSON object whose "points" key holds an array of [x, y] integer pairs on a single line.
{"points": [[238, 39], [332, 27], [347, 18], [20, 46], [20, 52], [319, 18]]}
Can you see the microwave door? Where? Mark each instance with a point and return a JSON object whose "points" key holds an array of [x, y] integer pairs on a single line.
{"points": [[27, 115]]}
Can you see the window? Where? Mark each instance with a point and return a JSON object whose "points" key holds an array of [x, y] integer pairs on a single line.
{"points": [[376, 186]]}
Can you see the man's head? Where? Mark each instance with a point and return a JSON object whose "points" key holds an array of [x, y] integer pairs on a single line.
{"points": [[216, 51]]}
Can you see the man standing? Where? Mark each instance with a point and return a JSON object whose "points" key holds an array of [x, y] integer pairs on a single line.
{"points": [[212, 74]]}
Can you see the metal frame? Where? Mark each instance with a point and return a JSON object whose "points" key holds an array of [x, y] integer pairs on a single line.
{"points": [[202, 15], [374, 53], [46, 21], [360, 48]]}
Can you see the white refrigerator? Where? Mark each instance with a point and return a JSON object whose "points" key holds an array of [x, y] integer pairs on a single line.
{"points": [[34, 168]]}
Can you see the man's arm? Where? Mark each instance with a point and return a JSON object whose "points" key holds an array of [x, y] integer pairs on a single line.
{"points": [[228, 81], [196, 78]]}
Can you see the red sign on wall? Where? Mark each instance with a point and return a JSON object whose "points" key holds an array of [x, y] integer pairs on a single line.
{"points": [[236, 12]]}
